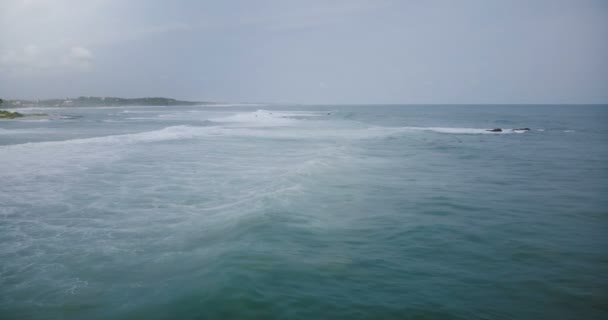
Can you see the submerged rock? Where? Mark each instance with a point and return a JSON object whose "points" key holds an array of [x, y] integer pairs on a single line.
{"points": [[522, 129], [495, 130]]}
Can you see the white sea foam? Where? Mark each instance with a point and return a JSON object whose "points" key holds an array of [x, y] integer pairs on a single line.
{"points": [[462, 130], [31, 120], [55, 156], [257, 118], [235, 105], [144, 111], [299, 114], [30, 160], [169, 133]]}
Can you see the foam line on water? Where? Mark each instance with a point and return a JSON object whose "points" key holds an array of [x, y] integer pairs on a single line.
{"points": [[56, 157], [75, 154], [257, 118], [168, 133], [463, 130], [186, 132], [18, 131], [266, 118]]}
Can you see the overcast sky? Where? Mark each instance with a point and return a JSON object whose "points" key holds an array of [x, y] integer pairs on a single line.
{"points": [[308, 51]]}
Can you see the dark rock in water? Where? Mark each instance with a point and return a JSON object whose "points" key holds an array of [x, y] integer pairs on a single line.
{"points": [[522, 129], [495, 130]]}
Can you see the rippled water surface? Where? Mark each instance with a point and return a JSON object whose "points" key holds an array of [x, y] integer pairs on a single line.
{"points": [[295, 212]]}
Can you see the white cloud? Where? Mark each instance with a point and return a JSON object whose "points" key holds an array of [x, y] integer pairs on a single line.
{"points": [[80, 53], [79, 58], [26, 59], [42, 36], [33, 59]]}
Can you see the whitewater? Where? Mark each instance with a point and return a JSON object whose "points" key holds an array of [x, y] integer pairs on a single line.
{"points": [[289, 211]]}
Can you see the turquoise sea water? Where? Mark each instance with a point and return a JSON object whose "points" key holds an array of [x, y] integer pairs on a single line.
{"points": [[296, 212]]}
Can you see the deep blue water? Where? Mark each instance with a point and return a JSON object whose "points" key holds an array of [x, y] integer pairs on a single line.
{"points": [[305, 212]]}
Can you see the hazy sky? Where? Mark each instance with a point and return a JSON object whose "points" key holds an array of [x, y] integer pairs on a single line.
{"points": [[308, 51]]}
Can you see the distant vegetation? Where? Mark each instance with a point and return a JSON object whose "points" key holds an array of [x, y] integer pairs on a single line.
{"points": [[109, 101], [12, 115], [99, 101], [9, 115]]}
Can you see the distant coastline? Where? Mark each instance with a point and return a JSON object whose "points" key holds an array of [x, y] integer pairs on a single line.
{"points": [[99, 102]]}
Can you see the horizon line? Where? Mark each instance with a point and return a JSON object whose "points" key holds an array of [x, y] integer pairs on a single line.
{"points": [[326, 103]]}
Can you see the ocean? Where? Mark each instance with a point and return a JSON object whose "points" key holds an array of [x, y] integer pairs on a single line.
{"points": [[305, 212]]}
